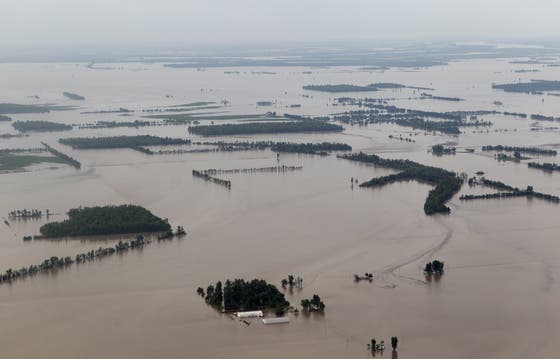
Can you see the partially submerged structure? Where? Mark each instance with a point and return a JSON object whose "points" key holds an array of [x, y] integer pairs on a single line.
{"points": [[277, 320], [252, 314]]}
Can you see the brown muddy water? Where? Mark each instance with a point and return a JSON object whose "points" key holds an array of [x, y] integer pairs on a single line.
{"points": [[498, 298]]}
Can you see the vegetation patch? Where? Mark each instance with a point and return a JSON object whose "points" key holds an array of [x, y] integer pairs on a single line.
{"points": [[266, 127], [241, 295], [446, 183], [40, 126], [379, 113], [529, 150], [123, 219], [121, 141], [533, 87], [73, 96], [340, 88], [310, 148], [529, 193], [549, 167]]}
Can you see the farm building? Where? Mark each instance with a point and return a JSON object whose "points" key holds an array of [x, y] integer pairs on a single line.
{"points": [[253, 314], [278, 320]]}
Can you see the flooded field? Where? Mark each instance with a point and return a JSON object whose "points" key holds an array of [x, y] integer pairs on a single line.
{"points": [[497, 299]]}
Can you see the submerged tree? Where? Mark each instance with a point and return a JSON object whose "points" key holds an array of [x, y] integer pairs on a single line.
{"points": [[394, 342], [315, 304]]}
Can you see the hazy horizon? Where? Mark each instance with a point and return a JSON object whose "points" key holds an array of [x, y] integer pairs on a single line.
{"points": [[65, 24]]}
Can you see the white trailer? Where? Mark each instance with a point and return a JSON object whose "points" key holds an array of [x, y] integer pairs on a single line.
{"points": [[253, 314], [278, 320]]}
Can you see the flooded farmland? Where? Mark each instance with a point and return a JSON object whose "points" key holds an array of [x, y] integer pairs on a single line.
{"points": [[497, 299]]}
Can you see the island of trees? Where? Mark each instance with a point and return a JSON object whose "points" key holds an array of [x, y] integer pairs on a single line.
{"points": [[434, 268], [310, 148], [40, 126], [292, 281], [13, 108], [276, 146], [121, 141], [446, 183], [73, 96], [120, 110], [440, 150], [356, 88], [123, 219], [529, 150], [340, 88], [538, 117], [427, 96], [315, 304], [115, 124], [537, 87], [264, 127], [550, 167], [241, 295]]}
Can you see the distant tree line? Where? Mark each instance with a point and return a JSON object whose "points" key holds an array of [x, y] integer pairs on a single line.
{"points": [[10, 108], [205, 176], [544, 166], [530, 150], [71, 161], [311, 148], [529, 192], [340, 88], [537, 117], [441, 98], [40, 126], [500, 186], [73, 96], [54, 263], [381, 113], [264, 127], [121, 141], [534, 86]]}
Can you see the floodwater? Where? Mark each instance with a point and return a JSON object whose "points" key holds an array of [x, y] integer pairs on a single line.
{"points": [[497, 299]]}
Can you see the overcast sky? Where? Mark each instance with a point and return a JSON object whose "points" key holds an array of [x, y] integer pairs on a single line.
{"points": [[189, 22]]}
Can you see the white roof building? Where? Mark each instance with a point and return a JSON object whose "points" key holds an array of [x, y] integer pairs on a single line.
{"points": [[253, 314], [278, 320]]}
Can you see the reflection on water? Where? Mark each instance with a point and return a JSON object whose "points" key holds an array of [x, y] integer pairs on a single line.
{"points": [[496, 299]]}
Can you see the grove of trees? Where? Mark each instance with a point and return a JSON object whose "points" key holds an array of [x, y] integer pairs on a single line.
{"points": [[86, 221]]}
